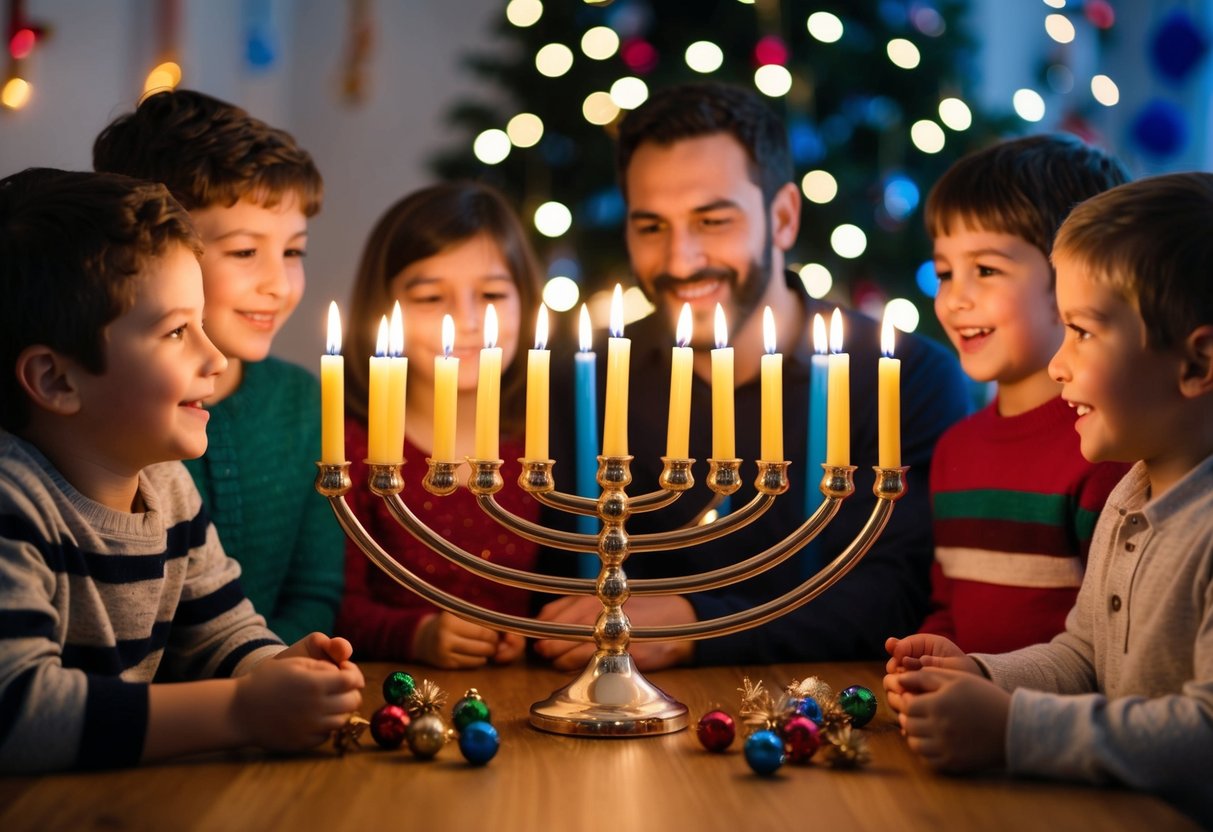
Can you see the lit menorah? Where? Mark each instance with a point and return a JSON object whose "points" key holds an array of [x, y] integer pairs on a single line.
{"points": [[610, 697]]}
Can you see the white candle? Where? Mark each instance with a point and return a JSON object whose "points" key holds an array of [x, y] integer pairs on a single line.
{"points": [[446, 395], [488, 391], [723, 434]]}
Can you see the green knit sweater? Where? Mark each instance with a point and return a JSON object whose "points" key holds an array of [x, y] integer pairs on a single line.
{"points": [[256, 480]]}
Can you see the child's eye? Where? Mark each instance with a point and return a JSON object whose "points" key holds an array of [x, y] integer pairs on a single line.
{"points": [[296, 252], [986, 271], [426, 299], [498, 296], [1080, 334], [942, 274], [178, 333], [243, 253]]}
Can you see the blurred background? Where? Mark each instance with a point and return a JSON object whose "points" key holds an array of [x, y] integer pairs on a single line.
{"points": [[879, 97]]}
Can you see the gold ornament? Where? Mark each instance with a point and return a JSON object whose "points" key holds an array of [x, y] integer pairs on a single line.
{"points": [[848, 748], [348, 737]]}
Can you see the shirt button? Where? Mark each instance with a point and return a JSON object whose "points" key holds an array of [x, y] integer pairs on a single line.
{"points": [[1115, 604], [1129, 547]]}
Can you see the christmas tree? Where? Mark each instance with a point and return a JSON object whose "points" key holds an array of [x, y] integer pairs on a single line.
{"points": [[876, 95]]}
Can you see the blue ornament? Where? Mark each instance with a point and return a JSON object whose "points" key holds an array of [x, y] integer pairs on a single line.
{"points": [[1160, 128], [859, 703], [1177, 46], [478, 743], [808, 707], [764, 752]]}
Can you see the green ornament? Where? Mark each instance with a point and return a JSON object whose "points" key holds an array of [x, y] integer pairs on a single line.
{"points": [[471, 708], [859, 703], [398, 687]]}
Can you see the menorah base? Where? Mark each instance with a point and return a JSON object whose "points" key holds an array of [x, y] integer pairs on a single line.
{"points": [[610, 698]]}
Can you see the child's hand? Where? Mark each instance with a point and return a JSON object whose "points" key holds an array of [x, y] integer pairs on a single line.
{"points": [[509, 648], [321, 647], [295, 702], [916, 652], [956, 721], [446, 640]]}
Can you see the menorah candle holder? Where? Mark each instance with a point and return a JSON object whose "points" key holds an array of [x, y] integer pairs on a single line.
{"points": [[610, 697]]}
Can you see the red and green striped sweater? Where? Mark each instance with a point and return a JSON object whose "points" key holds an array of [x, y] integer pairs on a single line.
{"points": [[1014, 505]]}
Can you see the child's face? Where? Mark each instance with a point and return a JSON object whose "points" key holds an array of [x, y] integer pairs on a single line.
{"points": [[1124, 391], [253, 272], [147, 405], [996, 305], [460, 281]]}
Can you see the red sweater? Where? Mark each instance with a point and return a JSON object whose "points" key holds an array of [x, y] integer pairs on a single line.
{"points": [[1014, 506], [378, 615]]}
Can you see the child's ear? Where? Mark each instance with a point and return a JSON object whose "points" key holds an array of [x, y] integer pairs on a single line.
{"points": [[48, 379], [1197, 376]]}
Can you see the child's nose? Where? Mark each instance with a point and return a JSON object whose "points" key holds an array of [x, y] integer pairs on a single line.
{"points": [[1059, 371]]}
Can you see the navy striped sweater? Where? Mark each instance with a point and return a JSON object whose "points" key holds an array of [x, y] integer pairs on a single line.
{"points": [[96, 604]]}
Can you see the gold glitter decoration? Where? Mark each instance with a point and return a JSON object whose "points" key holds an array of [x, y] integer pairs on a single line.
{"points": [[814, 687], [348, 737], [427, 698], [758, 711], [848, 747]]}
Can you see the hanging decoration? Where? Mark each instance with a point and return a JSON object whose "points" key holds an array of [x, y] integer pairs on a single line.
{"points": [[359, 48], [166, 74]]}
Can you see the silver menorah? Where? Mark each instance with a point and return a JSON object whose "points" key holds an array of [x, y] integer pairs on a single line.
{"points": [[610, 697]]}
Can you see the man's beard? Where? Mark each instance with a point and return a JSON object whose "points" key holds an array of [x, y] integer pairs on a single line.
{"points": [[745, 294]]}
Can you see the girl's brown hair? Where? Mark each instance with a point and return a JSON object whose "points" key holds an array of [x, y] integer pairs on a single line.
{"points": [[421, 225]]}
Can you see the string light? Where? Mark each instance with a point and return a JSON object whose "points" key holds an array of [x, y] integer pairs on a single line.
{"points": [[1060, 28], [1105, 90], [848, 241], [554, 60], [552, 219], [1028, 104], [817, 279], [825, 27], [524, 130], [903, 53], [773, 80], [16, 93], [600, 43], [819, 186], [491, 146], [561, 293], [523, 13], [902, 313], [955, 114], [599, 108], [704, 56], [927, 136], [628, 93]]}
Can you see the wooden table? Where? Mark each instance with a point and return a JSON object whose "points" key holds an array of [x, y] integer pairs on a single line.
{"points": [[541, 781]]}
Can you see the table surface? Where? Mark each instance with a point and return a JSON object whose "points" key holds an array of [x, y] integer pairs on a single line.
{"points": [[542, 781]]}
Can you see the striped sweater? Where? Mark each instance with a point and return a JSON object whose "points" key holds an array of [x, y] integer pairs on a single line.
{"points": [[95, 604], [1014, 506]]}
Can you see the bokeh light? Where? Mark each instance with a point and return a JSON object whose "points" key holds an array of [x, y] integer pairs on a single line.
{"points": [[819, 186], [825, 27], [561, 293], [903, 53], [525, 130], [927, 136], [552, 219], [1105, 90], [1028, 104], [1060, 28], [629, 92], [600, 43], [166, 75], [848, 241], [773, 80], [955, 114], [524, 13], [927, 279], [704, 56], [903, 314], [599, 108], [554, 60], [817, 279], [491, 146], [16, 93]]}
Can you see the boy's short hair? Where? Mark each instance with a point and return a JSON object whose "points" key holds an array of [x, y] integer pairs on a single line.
{"points": [[72, 246], [1024, 187], [1152, 242], [208, 152], [691, 111]]}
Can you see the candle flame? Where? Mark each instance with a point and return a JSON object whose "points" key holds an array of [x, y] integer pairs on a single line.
{"points": [[683, 332], [396, 332], [490, 327], [821, 344], [617, 312], [541, 328], [836, 331], [886, 336], [381, 341], [722, 328], [585, 334], [333, 344], [768, 330], [448, 335]]}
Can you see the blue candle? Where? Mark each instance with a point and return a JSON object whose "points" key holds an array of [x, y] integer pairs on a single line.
{"points": [[815, 447], [585, 381]]}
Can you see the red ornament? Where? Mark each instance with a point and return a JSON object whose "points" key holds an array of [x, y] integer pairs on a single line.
{"points": [[389, 725], [716, 731], [801, 739]]}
